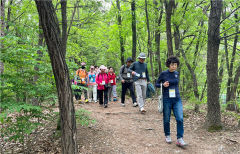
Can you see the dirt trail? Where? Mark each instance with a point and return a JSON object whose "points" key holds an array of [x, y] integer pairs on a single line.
{"points": [[124, 130]]}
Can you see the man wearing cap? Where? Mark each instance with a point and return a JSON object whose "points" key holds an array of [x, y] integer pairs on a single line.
{"points": [[127, 82], [141, 78]]}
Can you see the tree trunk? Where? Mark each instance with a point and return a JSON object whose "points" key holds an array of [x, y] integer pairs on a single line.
{"points": [[73, 14], [213, 119], [56, 52], [64, 25], [177, 40], [158, 36], [9, 14], [221, 71], [227, 57], [194, 80], [234, 89], [2, 33], [134, 30], [168, 7], [149, 39], [35, 100], [194, 77], [120, 32], [231, 104]]}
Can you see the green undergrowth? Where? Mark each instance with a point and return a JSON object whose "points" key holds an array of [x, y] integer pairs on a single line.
{"points": [[82, 117]]}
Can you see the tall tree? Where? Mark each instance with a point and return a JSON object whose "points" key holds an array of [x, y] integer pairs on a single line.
{"points": [[169, 5], [9, 14], [232, 106], [2, 33], [149, 46], [213, 119], [52, 34], [64, 25], [158, 34], [134, 30], [119, 18], [35, 100], [234, 87]]}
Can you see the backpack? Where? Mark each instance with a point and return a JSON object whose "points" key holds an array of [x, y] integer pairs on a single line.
{"points": [[150, 90], [82, 75], [124, 67]]}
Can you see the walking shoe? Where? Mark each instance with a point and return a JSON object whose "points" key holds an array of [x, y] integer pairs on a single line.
{"points": [[123, 105], [168, 139], [95, 101], [181, 143], [80, 102], [114, 99], [135, 104], [143, 110], [105, 105]]}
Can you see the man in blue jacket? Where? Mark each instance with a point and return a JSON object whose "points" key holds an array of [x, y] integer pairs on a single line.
{"points": [[172, 100], [141, 78]]}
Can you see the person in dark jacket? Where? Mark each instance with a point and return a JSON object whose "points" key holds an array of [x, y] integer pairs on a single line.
{"points": [[171, 99], [127, 82], [141, 78]]}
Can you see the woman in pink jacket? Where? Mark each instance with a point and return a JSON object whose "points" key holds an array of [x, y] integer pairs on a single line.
{"points": [[102, 81]]}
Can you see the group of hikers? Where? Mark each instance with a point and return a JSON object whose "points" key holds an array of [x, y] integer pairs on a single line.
{"points": [[101, 86]]}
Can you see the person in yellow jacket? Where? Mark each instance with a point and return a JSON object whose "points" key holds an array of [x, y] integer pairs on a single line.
{"points": [[82, 81]]}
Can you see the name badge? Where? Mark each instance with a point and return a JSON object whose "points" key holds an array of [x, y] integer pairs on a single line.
{"points": [[172, 93], [83, 79], [91, 80], [144, 75], [138, 75], [128, 75], [111, 81], [103, 82]]}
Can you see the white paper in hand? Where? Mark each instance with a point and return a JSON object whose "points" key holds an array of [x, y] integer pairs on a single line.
{"points": [[103, 82], [160, 100]]}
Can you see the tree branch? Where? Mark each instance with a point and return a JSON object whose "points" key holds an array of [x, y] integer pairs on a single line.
{"points": [[73, 14], [229, 15], [229, 35], [64, 26]]}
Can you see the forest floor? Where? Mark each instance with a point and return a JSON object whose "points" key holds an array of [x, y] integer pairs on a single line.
{"points": [[125, 130]]}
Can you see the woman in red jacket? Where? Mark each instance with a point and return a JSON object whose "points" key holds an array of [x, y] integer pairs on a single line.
{"points": [[102, 81], [112, 91]]}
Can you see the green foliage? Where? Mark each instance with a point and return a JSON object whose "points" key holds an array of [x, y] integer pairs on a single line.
{"points": [[214, 128], [78, 87], [83, 117], [94, 38], [19, 120]]}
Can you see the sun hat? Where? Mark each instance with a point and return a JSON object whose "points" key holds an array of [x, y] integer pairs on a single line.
{"points": [[142, 55], [102, 67], [83, 63]]}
